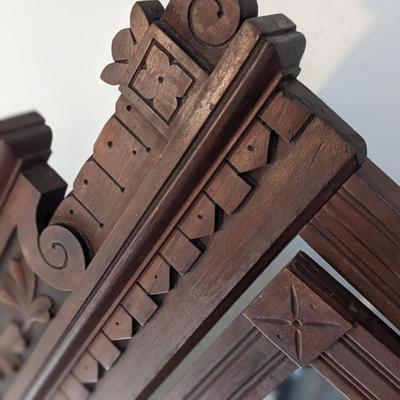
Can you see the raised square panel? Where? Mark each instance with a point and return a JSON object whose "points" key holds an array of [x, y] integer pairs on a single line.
{"points": [[161, 78], [295, 319], [285, 116], [139, 304], [228, 189], [103, 350], [180, 252]]}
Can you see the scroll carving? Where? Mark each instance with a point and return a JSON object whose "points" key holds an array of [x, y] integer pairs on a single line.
{"points": [[209, 25], [214, 22], [34, 191]]}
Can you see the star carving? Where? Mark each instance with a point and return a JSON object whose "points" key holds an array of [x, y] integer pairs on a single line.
{"points": [[296, 319], [297, 323]]}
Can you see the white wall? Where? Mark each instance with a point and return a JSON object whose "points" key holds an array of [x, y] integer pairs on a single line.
{"points": [[52, 54]]}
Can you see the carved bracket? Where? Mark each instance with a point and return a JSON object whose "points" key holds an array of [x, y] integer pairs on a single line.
{"points": [[31, 194]]}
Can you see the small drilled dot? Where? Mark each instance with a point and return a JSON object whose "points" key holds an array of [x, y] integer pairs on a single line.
{"points": [[117, 323], [86, 182], [123, 190], [110, 144], [250, 147], [155, 276], [134, 152], [71, 212], [200, 216], [160, 79], [220, 14], [129, 108], [101, 226]]}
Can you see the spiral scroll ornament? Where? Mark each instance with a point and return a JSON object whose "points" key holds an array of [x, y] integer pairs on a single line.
{"points": [[64, 256], [214, 22]]}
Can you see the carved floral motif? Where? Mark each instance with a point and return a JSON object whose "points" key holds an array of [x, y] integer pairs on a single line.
{"points": [[296, 319], [18, 292], [162, 82], [297, 323]]}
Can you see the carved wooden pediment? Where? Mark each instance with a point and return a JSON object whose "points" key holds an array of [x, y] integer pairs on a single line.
{"points": [[214, 158]]}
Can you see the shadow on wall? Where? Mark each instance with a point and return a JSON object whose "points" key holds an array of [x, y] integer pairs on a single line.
{"points": [[365, 89]]}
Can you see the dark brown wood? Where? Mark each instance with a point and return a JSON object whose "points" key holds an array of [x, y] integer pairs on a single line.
{"points": [[302, 309], [358, 233], [215, 158], [240, 364], [230, 260], [29, 192]]}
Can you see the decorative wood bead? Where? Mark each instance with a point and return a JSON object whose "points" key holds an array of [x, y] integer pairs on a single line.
{"points": [[119, 326], [87, 369], [200, 221], [103, 350], [228, 190], [252, 152], [180, 252], [138, 303], [156, 279], [276, 116]]}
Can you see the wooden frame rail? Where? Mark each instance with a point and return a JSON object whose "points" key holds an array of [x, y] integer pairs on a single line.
{"points": [[303, 317], [214, 158]]}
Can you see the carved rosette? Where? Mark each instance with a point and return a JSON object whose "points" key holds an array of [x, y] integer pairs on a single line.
{"points": [[295, 319]]}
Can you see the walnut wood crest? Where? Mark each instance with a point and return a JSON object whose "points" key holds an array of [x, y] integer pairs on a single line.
{"points": [[61, 251], [212, 135]]}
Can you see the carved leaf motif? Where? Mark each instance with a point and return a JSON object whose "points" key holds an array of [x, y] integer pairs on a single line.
{"points": [[18, 292], [12, 345], [125, 43]]}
